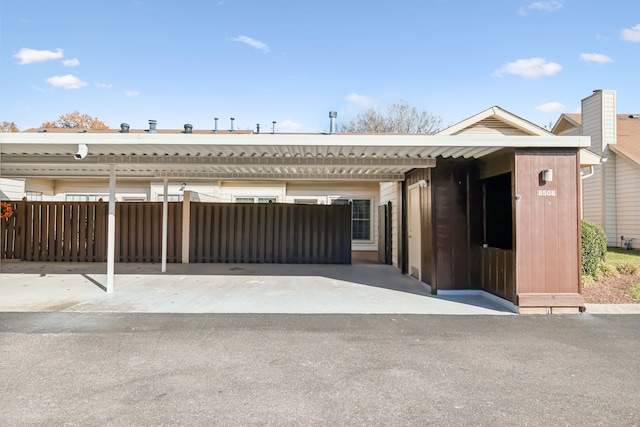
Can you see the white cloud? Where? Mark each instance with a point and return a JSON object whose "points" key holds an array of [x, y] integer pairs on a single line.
{"points": [[131, 93], [67, 82], [251, 42], [289, 124], [71, 62], [595, 57], [28, 56], [545, 6], [552, 107], [103, 85], [360, 100], [631, 34], [532, 68]]}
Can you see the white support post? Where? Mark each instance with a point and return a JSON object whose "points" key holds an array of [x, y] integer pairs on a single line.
{"points": [[111, 229], [165, 222], [186, 216]]}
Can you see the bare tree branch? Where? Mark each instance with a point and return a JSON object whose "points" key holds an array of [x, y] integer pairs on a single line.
{"points": [[399, 118]]}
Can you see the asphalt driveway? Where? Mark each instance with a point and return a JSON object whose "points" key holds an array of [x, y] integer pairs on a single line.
{"points": [[96, 369]]}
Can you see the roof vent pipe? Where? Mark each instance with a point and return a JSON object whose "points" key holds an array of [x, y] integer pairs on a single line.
{"points": [[124, 127], [215, 125], [232, 119], [258, 128], [188, 128], [152, 126], [332, 121], [273, 129]]}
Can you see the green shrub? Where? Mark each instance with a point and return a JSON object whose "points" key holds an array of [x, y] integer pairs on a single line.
{"points": [[628, 268], [607, 269], [594, 248]]}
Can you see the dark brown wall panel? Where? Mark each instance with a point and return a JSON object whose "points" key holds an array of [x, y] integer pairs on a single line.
{"points": [[270, 233], [547, 222]]}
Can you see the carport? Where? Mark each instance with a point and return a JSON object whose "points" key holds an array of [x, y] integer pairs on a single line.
{"points": [[404, 161]]}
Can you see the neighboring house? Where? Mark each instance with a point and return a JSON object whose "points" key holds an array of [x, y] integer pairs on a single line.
{"points": [[611, 191], [489, 205]]}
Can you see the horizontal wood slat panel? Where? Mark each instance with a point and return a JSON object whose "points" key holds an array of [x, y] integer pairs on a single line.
{"points": [[550, 300]]}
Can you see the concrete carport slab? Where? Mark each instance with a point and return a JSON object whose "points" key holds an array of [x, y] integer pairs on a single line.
{"points": [[227, 288]]}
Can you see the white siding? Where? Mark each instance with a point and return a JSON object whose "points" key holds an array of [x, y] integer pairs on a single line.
{"points": [[609, 136], [390, 192], [599, 191], [591, 203], [45, 186], [574, 131], [628, 193], [230, 190], [592, 121], [11, 189], [492, 126]]}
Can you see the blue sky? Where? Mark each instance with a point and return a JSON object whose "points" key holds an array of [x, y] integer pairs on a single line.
{"points": [[293, 61]]}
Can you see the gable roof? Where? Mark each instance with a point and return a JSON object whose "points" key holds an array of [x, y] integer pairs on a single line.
{"points": [[628, 137], [567, 122], [495, 121]]}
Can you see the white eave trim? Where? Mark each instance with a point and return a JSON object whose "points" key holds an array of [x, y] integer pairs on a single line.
{"points": [[300, 140]]}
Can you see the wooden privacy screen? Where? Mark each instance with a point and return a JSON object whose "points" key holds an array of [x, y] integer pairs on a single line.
{"points": [[11, 243], [139, 232], [384, 233], [77, 232], [270, 233], [56, 231]]}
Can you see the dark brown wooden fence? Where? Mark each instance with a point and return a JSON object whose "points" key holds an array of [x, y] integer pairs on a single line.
{"points": [[11, 241], [384, 234], [498, 273], [270, 233], [56, 231], [139, 232], [77, 232]]}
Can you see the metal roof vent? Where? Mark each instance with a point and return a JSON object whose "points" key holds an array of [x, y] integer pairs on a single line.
{"points": [[332, 121], [273, 129], [124, 127], [215, 128], [257, 127], [188, 128], [152, 126], [232, 119]]}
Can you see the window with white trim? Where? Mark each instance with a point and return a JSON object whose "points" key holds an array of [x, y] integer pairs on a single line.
{"points": [[86, 197], [256, 199], [170, 197], [360, 217], [33, 196]]}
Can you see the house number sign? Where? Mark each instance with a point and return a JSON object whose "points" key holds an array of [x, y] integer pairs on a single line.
{"points": [[547, 193]]}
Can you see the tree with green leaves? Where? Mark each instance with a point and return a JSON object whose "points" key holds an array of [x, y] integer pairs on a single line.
{"points": [[399, 118]]}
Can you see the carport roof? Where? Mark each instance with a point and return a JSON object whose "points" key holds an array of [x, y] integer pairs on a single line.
{"points": [[264, 156]]}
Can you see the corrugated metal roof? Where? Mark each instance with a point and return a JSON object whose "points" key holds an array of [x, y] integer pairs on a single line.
{"points": [[379, 157]]}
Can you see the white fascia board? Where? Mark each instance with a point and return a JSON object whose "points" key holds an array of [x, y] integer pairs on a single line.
{"points": [[301, 140]]}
